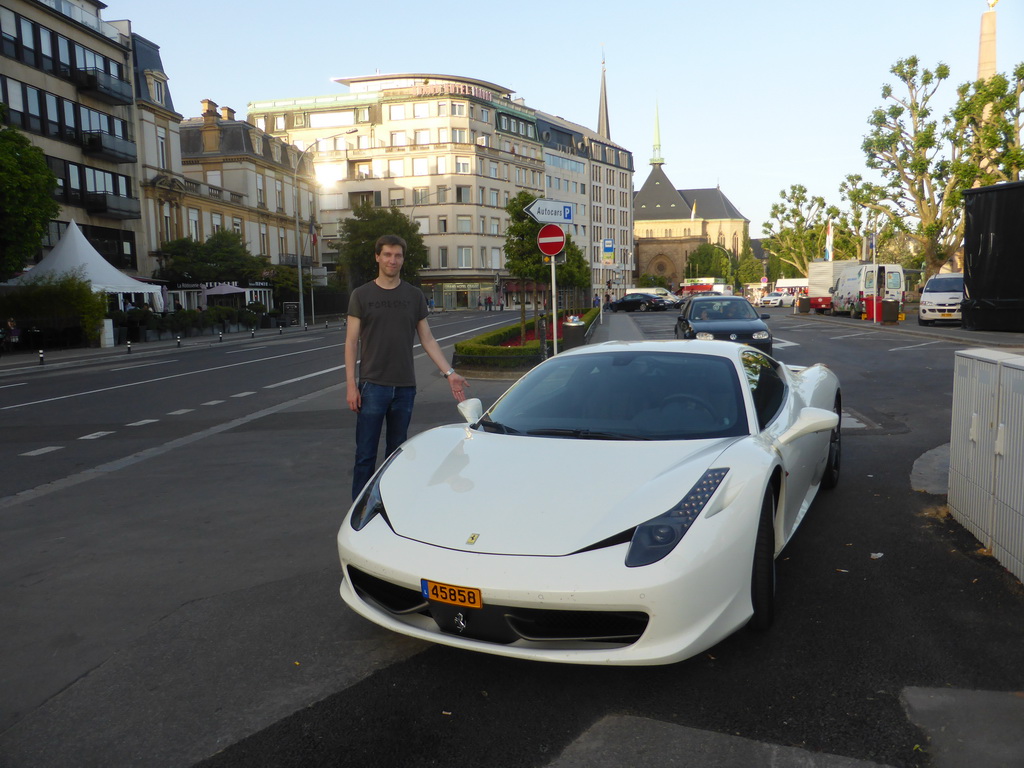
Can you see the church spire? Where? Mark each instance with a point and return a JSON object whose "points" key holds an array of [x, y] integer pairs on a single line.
{"points": [[657, 159], [602, 114]]}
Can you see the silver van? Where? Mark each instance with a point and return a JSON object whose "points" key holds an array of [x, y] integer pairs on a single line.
{"points": [[940, 299]]}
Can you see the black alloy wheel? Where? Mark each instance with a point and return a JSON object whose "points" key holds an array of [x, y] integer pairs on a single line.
{"points": [[762, 580], [835, 450]]}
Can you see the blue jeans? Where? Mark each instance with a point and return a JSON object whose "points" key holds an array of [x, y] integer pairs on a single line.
{"points": [[379, 403]]}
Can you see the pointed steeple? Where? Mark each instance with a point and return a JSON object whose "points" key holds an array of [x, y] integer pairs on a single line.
{"points": [[602, 113], [657, 159]]}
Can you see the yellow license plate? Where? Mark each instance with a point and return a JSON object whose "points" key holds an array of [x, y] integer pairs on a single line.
{"points": [[465, 597]]}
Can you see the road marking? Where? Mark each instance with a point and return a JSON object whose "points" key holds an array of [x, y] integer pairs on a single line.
{"points": [[914, 346], [212, 402], [247, 349], [142, 423], [41, 451], [244, 394], [143, 365], [181, 412], [95, 435], [779, 343], [307, 376], [19, 384], [848, 336]]}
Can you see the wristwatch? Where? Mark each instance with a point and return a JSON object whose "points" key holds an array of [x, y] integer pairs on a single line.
{"points": [[448, 373]]}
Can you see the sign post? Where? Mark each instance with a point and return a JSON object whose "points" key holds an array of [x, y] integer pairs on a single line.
{"points": [[551, 241]]}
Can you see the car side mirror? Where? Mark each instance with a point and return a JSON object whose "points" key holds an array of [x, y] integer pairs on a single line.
{"points": [[809, 421], [471, 410]]}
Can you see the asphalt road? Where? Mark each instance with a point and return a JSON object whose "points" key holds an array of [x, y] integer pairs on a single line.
{"points": [[180, 606]]}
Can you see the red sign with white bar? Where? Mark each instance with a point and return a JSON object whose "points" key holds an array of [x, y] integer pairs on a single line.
{"points": [[551, 239]]}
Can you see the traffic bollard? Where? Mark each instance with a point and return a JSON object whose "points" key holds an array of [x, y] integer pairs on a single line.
{"points": [[221, 335], [305, 326], [40, 357], [252, 333], [179, 340], [129, 347], [280, 330]]}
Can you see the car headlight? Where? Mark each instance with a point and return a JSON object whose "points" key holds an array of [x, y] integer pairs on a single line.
{"points": [[657, 537], [762, 335], [369, 504], [705, 336]]}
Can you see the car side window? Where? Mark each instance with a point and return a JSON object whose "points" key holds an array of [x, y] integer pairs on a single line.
{"points": [[767, 387]]}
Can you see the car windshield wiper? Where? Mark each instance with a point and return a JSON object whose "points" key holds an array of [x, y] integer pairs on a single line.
{"points": [[489, 425], [584, 434]]}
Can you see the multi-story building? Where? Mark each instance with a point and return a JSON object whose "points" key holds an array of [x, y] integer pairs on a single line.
{"points": [[67, 83], [238, 177], [450, 152]]}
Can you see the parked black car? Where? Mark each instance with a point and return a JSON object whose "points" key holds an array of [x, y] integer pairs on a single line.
{"points": [[640, 302], [725, 318]]}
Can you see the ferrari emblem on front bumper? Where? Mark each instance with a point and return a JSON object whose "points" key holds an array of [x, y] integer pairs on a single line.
{"points": [[460, 622]]}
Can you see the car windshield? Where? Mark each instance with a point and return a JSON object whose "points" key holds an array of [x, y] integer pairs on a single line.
{"points": [[626, 395], [945, 285], [722, 309]]}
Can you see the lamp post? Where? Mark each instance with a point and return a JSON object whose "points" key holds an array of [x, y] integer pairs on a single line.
{"points": [[298, 233]]}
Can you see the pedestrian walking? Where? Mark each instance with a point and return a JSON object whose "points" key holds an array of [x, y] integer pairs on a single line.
{"points": [[490, 303], [384, 317]]}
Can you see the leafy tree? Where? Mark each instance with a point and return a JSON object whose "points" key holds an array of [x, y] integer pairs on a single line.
{"points": [[522, 258], [798, 232], [991, 112], [26, 200], [709, 261], [359, 233], [647, 280], [750, 270], [923, 163], [222, 257], [57, 302]]}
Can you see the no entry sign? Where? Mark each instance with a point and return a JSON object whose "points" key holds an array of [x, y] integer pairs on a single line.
{"points": [[551, 239]]}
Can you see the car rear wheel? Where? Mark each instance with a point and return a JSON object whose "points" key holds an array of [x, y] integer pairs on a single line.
{"points": [[762, 581], [642, 307], [835, 450]]}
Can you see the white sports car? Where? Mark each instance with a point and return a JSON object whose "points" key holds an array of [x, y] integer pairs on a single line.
{"points": [[622, 503]]}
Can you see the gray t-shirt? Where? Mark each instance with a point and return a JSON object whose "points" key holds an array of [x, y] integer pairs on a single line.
{"points": [[388, 320]]}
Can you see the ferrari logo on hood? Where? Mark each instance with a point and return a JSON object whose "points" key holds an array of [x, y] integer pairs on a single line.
{"points": [[472, 538]]}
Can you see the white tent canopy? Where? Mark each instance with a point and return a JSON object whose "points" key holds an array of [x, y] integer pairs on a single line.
{"points": [[75, 254]]}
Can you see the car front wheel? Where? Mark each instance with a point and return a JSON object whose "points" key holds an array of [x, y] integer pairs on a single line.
{"points": [[642, 307], [835, 450]]}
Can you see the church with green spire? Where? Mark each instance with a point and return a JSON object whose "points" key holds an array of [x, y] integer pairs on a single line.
{"points": [[669, 224]]}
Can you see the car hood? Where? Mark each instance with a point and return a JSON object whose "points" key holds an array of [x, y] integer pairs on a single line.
{"points": [[523, 495], [942, 297]]}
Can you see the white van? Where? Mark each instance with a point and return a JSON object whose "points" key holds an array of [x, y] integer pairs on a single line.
{"points": [[858, 282], [940, 299]]}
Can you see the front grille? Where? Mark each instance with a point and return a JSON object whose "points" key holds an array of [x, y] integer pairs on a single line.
{"points": [[504, 624]]}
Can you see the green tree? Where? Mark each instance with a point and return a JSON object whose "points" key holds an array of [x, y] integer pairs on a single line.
{"points": [[647, 280], [991, 112], [798, 232], [223, 257], [26, 200], [359, 233], [523, 260], [922, 161], [709, 261], [750, 270]]}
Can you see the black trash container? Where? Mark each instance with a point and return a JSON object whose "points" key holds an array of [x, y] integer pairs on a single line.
{"points": [[573, 332], [803, 305], [890, 311]]}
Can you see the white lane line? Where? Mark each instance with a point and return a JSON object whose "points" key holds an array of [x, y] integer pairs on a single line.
{"points": [[142, 423], [849, 336], [244, 394], [779, 343], [212, 402], [307, 376], [181, 412], [95, 435], [143, 365], [19, 384], [914, 346], [247, 349], [41, 451]]}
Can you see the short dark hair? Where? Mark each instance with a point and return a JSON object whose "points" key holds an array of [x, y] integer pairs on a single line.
{"points": [[389, 240]]}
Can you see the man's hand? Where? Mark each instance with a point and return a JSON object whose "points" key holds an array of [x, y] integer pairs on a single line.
{"points": [[458, 385]]}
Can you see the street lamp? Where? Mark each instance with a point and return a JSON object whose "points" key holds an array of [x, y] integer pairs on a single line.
{"points": [[298, 234]]}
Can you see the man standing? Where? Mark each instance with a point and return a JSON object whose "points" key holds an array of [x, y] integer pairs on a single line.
{"points": [[383, 317]]}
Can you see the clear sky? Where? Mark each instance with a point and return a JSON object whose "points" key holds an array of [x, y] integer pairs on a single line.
{"points": [[754, 96]]}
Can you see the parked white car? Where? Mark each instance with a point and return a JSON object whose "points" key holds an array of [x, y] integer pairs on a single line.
{"points": [[778, 299], [940, 299], [717, 449]]}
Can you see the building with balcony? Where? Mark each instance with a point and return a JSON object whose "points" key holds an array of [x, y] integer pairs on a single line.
{"points": [[67, 83]]}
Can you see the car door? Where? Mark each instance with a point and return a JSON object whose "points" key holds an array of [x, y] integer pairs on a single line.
{"points": [[776, 410]]}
